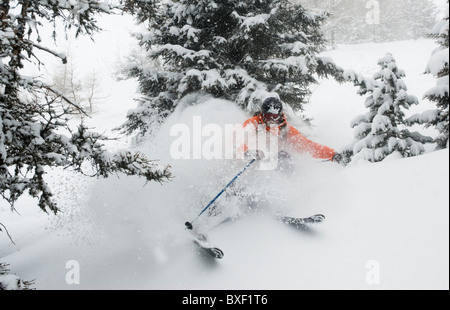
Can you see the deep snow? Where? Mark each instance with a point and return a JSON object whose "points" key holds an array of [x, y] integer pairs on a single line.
{"points": [[387, 224]]}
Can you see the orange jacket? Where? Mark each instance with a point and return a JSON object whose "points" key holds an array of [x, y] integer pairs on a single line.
{"points": [[294, 138]]}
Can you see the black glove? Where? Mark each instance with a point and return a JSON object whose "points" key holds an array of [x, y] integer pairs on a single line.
{"points": [[256, 154], [337, 157]]}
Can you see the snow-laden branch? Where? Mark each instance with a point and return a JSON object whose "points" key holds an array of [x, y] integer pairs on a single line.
{"points": [[7, 233], [62, 56]]}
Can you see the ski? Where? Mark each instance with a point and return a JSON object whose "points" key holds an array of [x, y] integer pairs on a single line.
{"points": [[201, 241], [302, 221]]}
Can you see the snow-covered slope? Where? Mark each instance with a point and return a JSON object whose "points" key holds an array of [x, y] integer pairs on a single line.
{"points": [[387, 224]]}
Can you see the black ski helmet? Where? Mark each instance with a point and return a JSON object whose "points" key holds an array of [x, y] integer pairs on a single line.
{"points": [[272, 105]]}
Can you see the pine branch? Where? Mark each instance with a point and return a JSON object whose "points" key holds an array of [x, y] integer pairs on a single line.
{"points": [[59, 94], [7, 233], [43, 48]]}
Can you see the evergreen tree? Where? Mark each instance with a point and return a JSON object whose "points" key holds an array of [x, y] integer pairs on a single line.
{"points": [[439, 67], [353, 21], [9, 281], [346, 22], [420, 18], [32, 116], [379, 132], [232, 49], [405, 19]]}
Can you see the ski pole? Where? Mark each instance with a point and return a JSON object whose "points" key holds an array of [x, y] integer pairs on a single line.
{"points": [[189, 224]]}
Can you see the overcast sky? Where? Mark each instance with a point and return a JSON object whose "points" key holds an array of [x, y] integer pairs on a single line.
{"points": [[109, 47]]}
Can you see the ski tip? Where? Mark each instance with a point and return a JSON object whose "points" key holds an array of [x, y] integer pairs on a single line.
{"points": [[210, 251], [217, 253], [318, 218]]}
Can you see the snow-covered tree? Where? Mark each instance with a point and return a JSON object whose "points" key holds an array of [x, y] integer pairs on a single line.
{"points": [[420, 18], [382, 131], [66, 80], [346, 21], [438, 66], [85, 90], [354, 21], [34, 133], [237, 50], [9, 281]]}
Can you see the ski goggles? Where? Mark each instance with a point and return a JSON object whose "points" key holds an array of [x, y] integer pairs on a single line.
{"points": [[272, 117]]}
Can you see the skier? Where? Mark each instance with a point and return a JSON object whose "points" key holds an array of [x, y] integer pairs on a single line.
{"points": [[272, 118]]}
